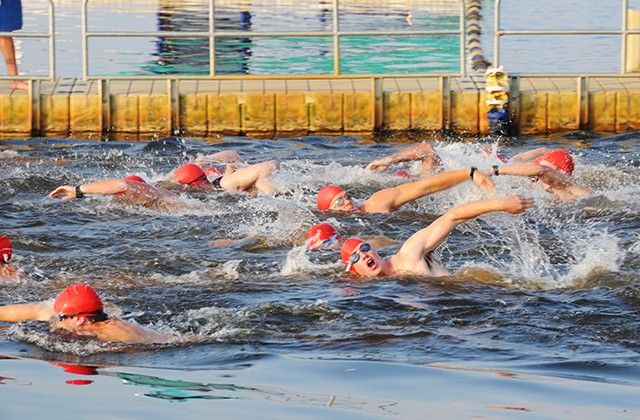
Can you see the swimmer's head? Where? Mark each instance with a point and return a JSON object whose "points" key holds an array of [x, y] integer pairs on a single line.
{"points": [[134, 178], [190, 174], [558, 159], [326, 196], [212, 171], [323, 236], [6, 249], [79, 299], [347, 250]]}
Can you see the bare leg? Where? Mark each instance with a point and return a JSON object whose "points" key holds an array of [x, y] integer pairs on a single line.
{"points": [[9, 53]]}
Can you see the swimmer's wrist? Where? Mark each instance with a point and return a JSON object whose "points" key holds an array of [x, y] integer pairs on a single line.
{"points": [[79, 193]]}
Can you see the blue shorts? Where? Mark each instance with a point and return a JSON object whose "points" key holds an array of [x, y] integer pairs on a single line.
{"points": [[10, 15]]}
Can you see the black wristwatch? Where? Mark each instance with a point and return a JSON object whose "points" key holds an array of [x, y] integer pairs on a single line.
{"points": [[496, 170], [79, 193]]}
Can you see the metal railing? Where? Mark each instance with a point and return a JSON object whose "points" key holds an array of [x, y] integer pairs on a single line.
{"points": [[213, 35], [39, 35], [498, 33]]}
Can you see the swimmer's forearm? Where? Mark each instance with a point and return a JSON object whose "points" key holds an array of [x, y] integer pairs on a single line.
{"points": [[529, 155], [417, 152], [106, 187], [513, 204], [25, 312], [226, 156], [520, 169]]}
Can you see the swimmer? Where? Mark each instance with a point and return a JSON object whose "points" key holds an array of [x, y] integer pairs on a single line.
{"points": [[251, 179], [431, 162], [79, 310], [415, 255], [332, 197], [131, 190], [324, 236], [9, 272], [551, 170]]}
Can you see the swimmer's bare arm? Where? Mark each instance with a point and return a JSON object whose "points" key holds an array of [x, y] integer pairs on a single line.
{"points": [[254, 176], [107, 187], [553, 178], [118, 330], [529, 155], [132, 189], [427, 240], [25, 312], [391, 199], [424, 152], [226, 156]]}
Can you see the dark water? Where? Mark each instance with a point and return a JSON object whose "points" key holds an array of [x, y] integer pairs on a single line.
{"points": [[555, 291]]}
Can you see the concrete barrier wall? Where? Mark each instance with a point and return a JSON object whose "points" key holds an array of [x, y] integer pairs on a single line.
{"points": [[543, 105]]}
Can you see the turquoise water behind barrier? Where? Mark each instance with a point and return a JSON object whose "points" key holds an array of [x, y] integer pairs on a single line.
{"points": [[251, 55], [153, 56]]}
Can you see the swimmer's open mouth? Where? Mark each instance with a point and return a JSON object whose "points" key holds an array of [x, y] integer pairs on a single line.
{"points": [[370, 262]]}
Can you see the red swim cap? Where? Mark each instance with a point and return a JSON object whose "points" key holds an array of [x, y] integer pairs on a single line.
{"points": [[77, 299], [212, 171], [190, 174], [319, 233], [326, 196], [347, 250], [6, 249], [488, 152], [558, 158], [134, 178], [402, 174]]}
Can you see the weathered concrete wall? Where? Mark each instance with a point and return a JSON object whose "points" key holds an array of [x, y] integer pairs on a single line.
{"points": [[544, 105]]}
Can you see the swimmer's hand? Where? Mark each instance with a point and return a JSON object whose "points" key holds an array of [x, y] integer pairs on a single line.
{"points": [[515, 204], [221, 243], [484, 183], [65, 192], [378, 165]]}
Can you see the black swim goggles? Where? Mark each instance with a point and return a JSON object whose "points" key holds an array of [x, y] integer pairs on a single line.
{"points": [[355, 257], [93, 316], [202, 177]]}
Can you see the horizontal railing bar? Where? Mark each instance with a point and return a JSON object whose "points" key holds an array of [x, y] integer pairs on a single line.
{"points": [[277, 77], [561, 32], [27, 34], [574, 75], [23, 77], [341, 76], [174, 34]]}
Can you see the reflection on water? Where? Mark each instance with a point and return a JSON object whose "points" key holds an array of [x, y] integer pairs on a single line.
{"points": [[277, 387], [285, 55], [191, 55], [245, 54]]}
